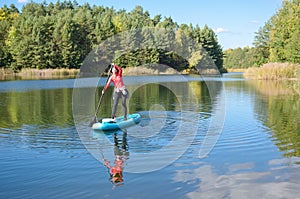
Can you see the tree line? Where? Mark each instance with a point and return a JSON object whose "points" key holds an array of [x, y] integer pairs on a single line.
{"points": [[277, 41], [61, 34]]}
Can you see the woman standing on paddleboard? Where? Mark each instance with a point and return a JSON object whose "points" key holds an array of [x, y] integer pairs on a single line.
{"points": [[120, 92]]}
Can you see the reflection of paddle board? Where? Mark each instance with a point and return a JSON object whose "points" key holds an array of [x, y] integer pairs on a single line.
{"points": [[107, 124]]}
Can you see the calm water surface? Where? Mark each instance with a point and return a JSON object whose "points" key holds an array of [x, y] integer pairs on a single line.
{"points": [[254, 147]]}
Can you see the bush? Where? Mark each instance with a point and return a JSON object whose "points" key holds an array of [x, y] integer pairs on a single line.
{"points": [[274, 71]]}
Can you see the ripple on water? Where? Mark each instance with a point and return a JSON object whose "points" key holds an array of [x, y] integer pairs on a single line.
{"points": [[34, 136], [245, 140]]}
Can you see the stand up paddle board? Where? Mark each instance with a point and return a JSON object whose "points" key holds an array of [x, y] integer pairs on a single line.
{"points": [[108, 124]]}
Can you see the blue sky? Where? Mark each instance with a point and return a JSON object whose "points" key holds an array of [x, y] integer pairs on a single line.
{"points": [[234, 21]]}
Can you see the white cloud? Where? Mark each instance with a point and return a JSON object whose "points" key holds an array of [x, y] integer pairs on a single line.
{"points": [[241, 182], [254, 21], [220, 30], [22, 1]]}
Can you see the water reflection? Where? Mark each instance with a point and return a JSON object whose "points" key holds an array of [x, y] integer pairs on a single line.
{"points": [[168, 95], [121, 154], [36, 107], [42, 150], [276, 88], [240, 181], [278, 108]]}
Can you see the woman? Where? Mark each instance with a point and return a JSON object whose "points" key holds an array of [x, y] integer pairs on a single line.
{"points": [[119, 91]]}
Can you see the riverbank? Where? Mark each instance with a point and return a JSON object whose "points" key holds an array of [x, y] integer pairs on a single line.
{"points": [[8, 74], [30, 73], [160, 69], [240, 70], [150, 70], [274, 71]]}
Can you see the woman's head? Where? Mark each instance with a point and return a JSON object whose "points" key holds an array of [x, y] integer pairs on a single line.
{"points": [[114, 69]]}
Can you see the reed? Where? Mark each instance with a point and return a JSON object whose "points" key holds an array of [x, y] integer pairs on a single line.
{"points": [[28, 73], [6, 73], [153, 69], [236, 70], [274, 71], [160, 69]]}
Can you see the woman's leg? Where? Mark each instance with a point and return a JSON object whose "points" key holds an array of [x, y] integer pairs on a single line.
{"points": [[116, 97], [124, 98]]}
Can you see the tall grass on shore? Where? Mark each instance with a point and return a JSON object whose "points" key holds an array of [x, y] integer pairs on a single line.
{"points": [[6, 73], [48, 73], [161, 69], [274, 71], [242, 70], [30, 73], [150, 69]]}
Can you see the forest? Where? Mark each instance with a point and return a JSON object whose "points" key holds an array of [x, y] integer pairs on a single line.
{"points": [[61, 34], [277, 41]]}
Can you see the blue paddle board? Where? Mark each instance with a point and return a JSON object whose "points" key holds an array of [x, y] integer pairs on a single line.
{"points": [[107, 124]]}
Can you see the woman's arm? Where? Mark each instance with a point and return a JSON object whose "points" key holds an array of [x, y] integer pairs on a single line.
{"points": [[119, 70], [107, 85]]}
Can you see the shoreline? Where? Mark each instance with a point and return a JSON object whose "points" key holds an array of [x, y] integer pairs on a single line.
{"points": [[274, 71], [32, 74], [28, 74], [269, 71], [240, 70]]}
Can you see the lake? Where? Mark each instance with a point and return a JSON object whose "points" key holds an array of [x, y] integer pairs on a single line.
{"points": [[198, 138]]}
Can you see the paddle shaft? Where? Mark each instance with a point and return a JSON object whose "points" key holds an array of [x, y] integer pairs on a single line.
{"points": [[97, 109], [99, 103]]}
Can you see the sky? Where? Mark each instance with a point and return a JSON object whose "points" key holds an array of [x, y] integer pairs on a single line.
{"points": [[234, 21]]}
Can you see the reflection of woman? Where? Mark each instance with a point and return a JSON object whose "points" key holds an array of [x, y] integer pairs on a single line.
{"points": [[121, 154], [116, 172]]}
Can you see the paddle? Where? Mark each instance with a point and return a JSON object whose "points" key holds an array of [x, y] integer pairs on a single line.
{"points": [[99, 103]]}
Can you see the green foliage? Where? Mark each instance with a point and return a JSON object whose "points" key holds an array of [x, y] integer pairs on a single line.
{"points": [[7, 17], [277, 41], [241, 58], [61, 35], [208, 40], [262, 43]]}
